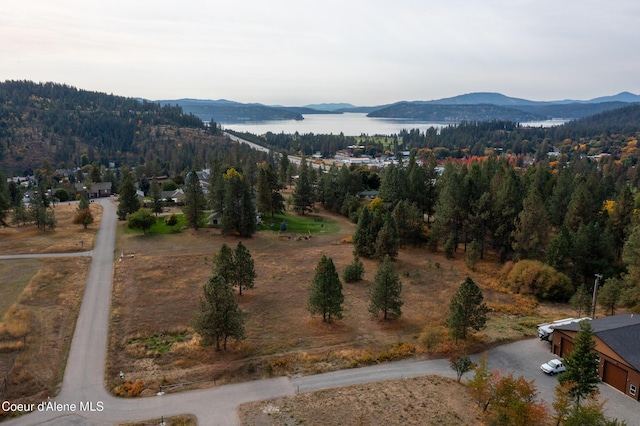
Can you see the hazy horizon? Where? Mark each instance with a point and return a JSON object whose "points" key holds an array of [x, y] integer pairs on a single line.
{"points": [[360, 52]]}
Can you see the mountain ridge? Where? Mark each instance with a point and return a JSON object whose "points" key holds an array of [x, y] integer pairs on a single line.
{"points": [[470, 106]]}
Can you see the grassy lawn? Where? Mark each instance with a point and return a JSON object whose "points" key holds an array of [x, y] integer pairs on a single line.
{"points": [[159, 228], [301, 224]]}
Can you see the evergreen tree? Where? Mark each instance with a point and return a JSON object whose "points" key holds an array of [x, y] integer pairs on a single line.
{"points": [[448, 223], [354, 271], [129, 202], [387, 239], [631, 258], [284, 170], [194, 201], [155, 193], [224, 264], [581, 301], [245, 273], [364, 239], [238, 214], [303, 193], [325, 293], [385, 295], [235, 266], [581, 375], [609, 295], [269, 200], [532, 228], [219, 318], [466, 310], [620, 219], [559, 249], [507, 206], [5, 200]]}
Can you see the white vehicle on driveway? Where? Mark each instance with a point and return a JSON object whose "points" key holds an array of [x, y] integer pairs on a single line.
{"points": [[552, 367]]}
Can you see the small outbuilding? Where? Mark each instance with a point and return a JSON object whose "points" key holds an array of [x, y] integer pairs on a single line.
{"points": [[618, 345]]}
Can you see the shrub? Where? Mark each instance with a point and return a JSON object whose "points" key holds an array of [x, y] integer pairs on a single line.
{"points": [[530, 277], [354, 271]]}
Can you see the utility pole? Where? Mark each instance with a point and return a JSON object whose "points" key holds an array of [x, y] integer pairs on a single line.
{"points": [[595, 294]]}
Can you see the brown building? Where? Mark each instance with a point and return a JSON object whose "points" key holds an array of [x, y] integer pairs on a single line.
{"points": [[618, 344]]}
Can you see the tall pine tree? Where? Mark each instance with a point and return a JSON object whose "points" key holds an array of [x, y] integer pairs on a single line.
{"points": [[385, 295], [325, 293]]}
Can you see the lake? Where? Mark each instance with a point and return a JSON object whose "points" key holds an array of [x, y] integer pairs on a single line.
{"points": [[350, 124]]}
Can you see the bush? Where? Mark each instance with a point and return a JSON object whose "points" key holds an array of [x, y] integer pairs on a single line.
{"points": [[62, 195], [354, 271], [530, 277]]}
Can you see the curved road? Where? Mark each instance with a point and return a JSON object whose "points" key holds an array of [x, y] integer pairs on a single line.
{"points": [[86, 402]]}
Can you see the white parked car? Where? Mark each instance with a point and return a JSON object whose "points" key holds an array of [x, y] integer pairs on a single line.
{"points": [[552, 367]]}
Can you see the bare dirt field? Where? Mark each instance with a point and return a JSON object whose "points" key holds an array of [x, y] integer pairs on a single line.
{"points": [[156, 293], [66, 237], [428, 400]]}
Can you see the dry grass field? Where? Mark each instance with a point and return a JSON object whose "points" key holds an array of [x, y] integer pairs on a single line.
{"points": [[156, 293], [428, 400], [40, 304], [66, 237]]}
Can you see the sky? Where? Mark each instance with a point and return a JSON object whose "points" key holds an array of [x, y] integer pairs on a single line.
{"points": [[298, 52]]}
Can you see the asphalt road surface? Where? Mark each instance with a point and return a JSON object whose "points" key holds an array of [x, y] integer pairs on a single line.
{"points": [[84, 400]]}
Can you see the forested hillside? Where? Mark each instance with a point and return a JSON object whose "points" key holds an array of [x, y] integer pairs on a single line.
{"points": [[71, 127]]}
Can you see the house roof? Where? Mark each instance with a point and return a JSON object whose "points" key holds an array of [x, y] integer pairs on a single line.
{"points": [[620, 332]]}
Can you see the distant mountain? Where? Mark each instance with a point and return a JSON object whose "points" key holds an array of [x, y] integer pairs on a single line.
{"points": [[453, 113], [477, 106], [481, 98], [330, 106], [487, 106], [620, 97], [224, 111]]}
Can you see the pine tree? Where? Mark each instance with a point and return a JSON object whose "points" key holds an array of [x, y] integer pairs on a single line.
{"points": [[238, 214], [385, 295], [466, 310], [129, 202], [354, 271], [224, 264], [531, 233], [194, 201], [303, 193], [155, 193], [269, 200], [581, 301], [245, 273], [387, 239], [609, 295], [363, 239], [581, 374], [325, 293], [5, 200], [284, 170], [219, 318]]}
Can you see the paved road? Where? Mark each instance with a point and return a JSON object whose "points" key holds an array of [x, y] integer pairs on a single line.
{"points": [[83, 379]]}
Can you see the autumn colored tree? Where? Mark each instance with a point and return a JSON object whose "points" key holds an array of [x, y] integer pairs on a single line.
{"points": [[83, 217]]}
